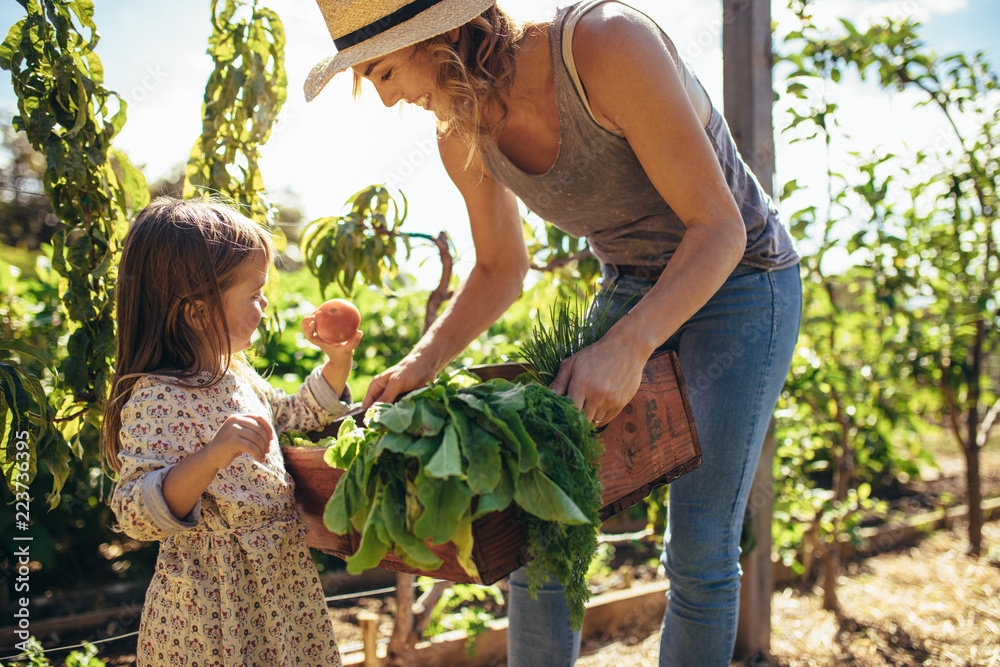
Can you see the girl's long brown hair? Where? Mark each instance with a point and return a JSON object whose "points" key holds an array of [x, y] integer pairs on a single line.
{"points": [[474, 74], [178, 259]]}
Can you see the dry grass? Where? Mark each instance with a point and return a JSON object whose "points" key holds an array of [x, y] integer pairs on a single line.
{"points": [[927, 605], [930, 605]]}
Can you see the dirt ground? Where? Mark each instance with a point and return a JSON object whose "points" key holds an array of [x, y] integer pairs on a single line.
{"points": [[930, 604], [927, 604]]}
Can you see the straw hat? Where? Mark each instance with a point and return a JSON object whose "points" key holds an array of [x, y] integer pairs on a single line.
{"points": [[366, 29]]}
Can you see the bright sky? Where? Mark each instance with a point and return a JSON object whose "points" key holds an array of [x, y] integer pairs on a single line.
{"points": [[154, 56]]}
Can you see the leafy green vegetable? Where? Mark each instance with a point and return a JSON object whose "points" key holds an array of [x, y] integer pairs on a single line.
{"points": [[430, 464]]}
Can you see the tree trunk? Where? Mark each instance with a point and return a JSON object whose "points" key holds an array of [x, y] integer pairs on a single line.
{"points": [[971, 444], [403, 639], [843, 473], [973, 480], [441, 293]]}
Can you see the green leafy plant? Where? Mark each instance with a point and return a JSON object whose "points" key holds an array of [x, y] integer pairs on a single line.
{"points": [[362, 241], [553, 251], [465, 607], [907, 328], [243, 97], [68, 115], [443, 456], [34, 651], [365, 241], [572, 327]]}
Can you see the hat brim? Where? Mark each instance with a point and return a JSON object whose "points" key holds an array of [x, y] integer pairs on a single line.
{"points": [[438, 19]]}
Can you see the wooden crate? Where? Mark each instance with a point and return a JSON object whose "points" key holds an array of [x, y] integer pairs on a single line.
{"points": [[650, 443], [499, 547]]}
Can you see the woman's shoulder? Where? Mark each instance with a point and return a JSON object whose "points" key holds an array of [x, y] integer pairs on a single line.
{"points": [[609, 25]]}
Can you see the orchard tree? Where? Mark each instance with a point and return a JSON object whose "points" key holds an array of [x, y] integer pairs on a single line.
{"points": [[933, 230]]}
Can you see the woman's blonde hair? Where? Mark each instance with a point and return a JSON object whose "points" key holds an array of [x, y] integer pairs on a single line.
{"points": [[178, 259], [474, 73]]}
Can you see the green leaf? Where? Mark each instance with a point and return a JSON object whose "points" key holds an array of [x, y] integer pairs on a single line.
{"points": [[133, 182], [447, 461], [410, 549], [541, 497], [29, 351], [482, 452], [397, 417], [464, 544], [499, 498], [444, 504], [374, 538]]}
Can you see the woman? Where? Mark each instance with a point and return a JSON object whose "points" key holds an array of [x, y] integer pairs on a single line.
{"points": [[593, 121]]}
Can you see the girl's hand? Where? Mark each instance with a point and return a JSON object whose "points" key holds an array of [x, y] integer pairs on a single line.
{"points": [[340, 355], [334, 351], [239, 434]]}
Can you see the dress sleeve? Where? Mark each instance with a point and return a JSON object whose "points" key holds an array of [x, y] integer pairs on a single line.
{"points": [[313, 407], [155, 436]]}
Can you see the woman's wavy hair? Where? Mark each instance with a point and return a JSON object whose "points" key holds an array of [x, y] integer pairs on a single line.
{"points": [[474, 73], [178, 259]]}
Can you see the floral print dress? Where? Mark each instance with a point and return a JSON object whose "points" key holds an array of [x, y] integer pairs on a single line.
{"points": [[235, 583]]}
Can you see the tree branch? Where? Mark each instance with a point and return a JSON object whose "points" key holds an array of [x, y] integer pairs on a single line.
{"points": [[441, 293], [557, 263]]}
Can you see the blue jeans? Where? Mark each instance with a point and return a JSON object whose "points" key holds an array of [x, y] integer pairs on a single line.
{"points": [[734, 355]]}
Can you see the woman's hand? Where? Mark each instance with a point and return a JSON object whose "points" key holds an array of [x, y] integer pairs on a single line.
{"points": [[601, 379], [411, 373]]}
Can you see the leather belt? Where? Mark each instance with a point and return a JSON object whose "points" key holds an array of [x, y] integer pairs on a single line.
{"points": [[642, 272]]}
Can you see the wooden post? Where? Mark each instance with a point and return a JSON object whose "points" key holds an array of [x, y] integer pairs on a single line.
{"points": [[748, 97], [369, 635], [746, 82]]}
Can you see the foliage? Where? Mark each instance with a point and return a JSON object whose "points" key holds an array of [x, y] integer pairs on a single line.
{"points": [[554, 251], [414, 473], [68, 115], [36, 657], [28, 220], [930, 239], [465, 607], [362, 241], [243, 96]]}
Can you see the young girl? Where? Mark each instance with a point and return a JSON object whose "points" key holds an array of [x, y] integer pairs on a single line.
{"points": [[192, 429]]}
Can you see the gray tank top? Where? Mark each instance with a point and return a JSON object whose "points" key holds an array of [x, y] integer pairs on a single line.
{"points": [[598, 189]]}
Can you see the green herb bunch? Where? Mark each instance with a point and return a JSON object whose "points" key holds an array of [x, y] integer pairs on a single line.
{"points": [[440, 458], [570, 455], [573, 327]]}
